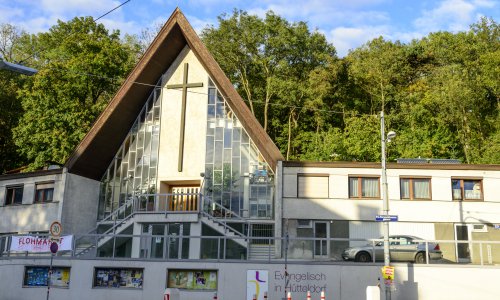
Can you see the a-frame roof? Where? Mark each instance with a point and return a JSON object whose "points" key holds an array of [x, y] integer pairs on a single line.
{"points": [[95, 152]]}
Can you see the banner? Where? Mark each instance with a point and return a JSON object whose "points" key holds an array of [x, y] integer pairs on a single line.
{"points": [[39, 244]]}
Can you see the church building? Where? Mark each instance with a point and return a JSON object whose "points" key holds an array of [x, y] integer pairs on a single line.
{"points": [[177, 169]]}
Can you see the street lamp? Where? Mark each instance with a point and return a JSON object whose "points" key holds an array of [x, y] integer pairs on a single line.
{"points": [[16, 68], [385, 196]]}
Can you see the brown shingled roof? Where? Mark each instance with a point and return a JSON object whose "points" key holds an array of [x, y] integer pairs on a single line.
{"points": [[94, 153]]}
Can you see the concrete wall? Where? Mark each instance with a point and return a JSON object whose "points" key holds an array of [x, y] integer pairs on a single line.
{"points": [[196, 121], [30, 216], [81, 197], [342, 281]]}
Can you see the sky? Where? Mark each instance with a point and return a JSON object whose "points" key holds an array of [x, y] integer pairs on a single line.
{"points": [[347, 24]]}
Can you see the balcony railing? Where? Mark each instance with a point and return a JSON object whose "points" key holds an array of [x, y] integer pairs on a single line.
{"points": [[221, 248]]}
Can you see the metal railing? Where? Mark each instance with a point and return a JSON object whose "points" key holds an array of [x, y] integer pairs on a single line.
{"points": [[175, 203], [175, 247]]}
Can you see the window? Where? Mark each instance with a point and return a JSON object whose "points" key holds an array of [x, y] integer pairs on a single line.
{"points": [[14, 195], [312, 186], [467, 189], [364, 187], [304, 223], [44, 192], [415, 188]]}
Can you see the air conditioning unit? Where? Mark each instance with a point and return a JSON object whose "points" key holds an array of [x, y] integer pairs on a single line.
{"points": [[304, 223]]}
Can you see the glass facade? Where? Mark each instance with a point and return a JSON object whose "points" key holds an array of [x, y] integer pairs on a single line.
{"points": [[236, 175], [134, 167]]}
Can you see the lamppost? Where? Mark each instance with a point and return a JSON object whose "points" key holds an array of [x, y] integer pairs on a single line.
{"points": [[16, 68], [385, 197]]}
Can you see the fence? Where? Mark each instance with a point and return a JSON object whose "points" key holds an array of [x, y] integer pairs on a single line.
{"points": [[175, 247]]}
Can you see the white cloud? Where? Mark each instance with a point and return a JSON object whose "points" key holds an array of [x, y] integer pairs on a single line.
{"points": [[451, 15], [485, 3], [199, 24], [73, 7], [347, 38]]}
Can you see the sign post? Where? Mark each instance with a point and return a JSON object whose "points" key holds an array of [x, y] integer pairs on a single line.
{"points": [[386, 218], [55, 237], [388, 274]]}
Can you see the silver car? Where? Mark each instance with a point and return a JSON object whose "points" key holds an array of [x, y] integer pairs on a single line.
{"points": [[402, 248]]}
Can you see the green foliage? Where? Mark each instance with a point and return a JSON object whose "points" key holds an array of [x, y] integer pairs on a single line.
{"points": [[10, 107], [64, 98], [440, 93]]}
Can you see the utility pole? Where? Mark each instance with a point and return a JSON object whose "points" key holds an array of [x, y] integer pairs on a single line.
{"points": [[385, 197]]}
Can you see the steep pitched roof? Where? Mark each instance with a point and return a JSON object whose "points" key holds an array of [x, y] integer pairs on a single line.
{"points": [[94, 153]]}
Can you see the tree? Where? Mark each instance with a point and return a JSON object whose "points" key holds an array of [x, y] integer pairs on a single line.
{"points": [[269, 60], [81, 65], [10, 106]]}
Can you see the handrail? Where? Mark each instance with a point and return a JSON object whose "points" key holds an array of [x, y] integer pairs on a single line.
{"points": [[117, 211], [209, 209], [83, 248]]}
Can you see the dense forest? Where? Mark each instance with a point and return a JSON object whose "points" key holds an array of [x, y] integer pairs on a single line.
{"points": [[440, 93]]}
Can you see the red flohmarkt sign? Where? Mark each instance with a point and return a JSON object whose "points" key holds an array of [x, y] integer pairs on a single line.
{"points": [[39, 244]]}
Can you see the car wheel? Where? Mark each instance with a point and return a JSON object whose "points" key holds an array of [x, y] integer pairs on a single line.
{"points": [[363, 257], [420, 258]]}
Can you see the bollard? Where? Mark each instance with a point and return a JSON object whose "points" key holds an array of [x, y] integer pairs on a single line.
{"points": [[289, 296], [215, 296], [265, 295], [308, 295], [322, 295]]}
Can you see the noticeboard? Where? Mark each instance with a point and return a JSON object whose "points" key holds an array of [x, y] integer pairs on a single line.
{"points": [[119, 278], [192, 279], [36, 276]]}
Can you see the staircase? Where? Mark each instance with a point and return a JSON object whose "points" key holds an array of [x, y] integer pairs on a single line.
{"points": [[218, 218], [224, 229], [260, 252], [211, 213]]}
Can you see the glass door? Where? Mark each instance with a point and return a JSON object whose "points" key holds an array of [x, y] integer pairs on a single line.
{"points": [[321, 245], [157, 241], [174, 244], [463, 249]]}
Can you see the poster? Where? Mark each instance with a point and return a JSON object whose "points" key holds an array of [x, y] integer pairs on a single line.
{"points": [[118, 278], [257, 284], [192, 279], [37, 276], [39, 244]]}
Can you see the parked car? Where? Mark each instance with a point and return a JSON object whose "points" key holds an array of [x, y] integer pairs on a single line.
{"points": [[402, 248]]}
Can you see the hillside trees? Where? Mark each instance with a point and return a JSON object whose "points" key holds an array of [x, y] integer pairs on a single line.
{"points": [[270, 61], [10, 106], [440, 93], [80, 65]]}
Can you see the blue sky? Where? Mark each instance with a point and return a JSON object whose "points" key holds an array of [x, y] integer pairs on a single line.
{"points": [[346, 23]]}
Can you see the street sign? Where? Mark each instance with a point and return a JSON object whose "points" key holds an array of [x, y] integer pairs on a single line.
{"points": [[55, 229], [386, 218], [54, 247], [388, 272]]}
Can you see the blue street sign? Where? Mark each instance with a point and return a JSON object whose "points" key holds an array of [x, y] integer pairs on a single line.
{"points": [[386, 218]]}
